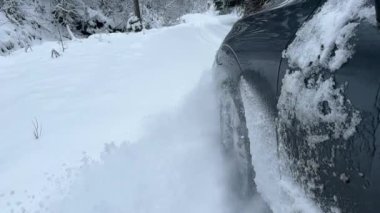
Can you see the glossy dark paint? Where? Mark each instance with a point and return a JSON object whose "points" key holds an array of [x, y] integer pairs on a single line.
{"points": [[377, 6], [362, 73], [258, 40], [255, 44]]}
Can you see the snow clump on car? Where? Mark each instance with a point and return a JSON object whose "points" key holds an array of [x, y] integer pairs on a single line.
{"points": [[310, 98]]}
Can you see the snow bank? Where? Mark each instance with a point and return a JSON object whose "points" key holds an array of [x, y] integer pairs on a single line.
{"points": [[177, 166], [13, 37]]}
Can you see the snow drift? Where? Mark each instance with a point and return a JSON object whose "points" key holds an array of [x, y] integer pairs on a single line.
{"points": [[177, 166]]}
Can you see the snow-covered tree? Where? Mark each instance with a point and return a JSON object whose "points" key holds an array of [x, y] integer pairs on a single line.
{"points": [[11, 9], [24, 21]]}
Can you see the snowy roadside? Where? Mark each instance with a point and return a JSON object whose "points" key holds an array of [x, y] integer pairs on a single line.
{"points": [[101, 90]]}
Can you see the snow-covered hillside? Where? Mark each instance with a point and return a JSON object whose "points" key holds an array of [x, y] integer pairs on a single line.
{"points": [[108, 90], [27, 22]]}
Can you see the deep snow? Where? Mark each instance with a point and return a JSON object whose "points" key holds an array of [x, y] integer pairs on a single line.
{"points": [[105, 89]]}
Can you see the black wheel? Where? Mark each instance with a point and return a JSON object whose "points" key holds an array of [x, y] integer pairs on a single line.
{"points": [[235, 139]]}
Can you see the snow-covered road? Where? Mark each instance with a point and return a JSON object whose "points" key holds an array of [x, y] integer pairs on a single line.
{"points": [[138, 93]]}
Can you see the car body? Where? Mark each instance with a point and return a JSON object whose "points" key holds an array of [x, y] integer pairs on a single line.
{"points": [[346, 170]]}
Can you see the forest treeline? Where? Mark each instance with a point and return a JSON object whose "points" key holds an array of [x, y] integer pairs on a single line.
{"points": [[23, 22]]}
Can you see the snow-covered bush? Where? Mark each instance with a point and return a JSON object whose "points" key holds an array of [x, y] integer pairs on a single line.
{"points": [[66, 12], [19, 24], [170, 11], [11, 10], [134, 24]]}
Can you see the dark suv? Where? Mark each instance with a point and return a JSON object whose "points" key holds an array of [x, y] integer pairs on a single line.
{"points": [[323, 94]]}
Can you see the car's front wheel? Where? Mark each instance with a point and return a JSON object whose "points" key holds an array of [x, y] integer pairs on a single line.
{"points": [[234, 136]]}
